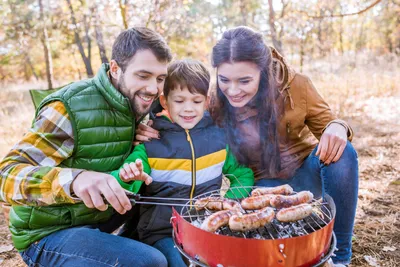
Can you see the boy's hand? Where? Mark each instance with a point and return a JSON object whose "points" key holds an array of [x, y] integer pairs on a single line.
{"points": [[134, 171]]}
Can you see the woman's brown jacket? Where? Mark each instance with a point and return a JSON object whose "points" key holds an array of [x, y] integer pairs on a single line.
{"points": [[305, 117]]}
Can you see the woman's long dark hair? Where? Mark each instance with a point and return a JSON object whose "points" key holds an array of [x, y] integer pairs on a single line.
{"points": [[242, 44]]}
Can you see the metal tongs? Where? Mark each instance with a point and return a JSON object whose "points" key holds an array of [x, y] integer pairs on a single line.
{"points": [[162, 201]]}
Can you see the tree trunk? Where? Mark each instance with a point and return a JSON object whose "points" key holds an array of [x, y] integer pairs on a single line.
{"points": [[123, 7], [302, 53], [46, 49], [87, 21], [277, 43], [29, 63], [243, 12], [341, 36], [78, 42], [99, 35]]}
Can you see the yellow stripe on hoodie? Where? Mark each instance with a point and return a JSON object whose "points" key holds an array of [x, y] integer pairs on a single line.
{"points": [[163, 164], [179, 171]]}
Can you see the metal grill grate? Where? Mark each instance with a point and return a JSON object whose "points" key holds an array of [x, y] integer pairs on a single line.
{"points": [[321, 216]]}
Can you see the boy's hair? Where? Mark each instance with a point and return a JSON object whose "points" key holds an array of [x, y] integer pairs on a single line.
{"points": [[135, 39], [187, 73]]}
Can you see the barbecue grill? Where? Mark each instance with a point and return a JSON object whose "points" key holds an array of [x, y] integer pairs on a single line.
{"points": [[307, 242]]}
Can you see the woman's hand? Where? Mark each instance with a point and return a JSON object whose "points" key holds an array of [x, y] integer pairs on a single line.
{"points": [[332, 144], [145, 133], [134, 171]]}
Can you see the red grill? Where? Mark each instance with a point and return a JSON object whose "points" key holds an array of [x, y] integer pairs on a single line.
{"points": [[306, 242]]}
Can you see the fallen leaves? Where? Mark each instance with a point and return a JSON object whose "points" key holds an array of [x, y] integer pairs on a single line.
{"points": [[386, 248], [6, 248], [371, 261]]}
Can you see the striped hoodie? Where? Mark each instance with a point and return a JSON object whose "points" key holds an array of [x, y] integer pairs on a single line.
{"points": [[183, 164]]}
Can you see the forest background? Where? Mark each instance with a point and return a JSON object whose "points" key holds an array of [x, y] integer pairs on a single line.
{"points": [[350, 49]]}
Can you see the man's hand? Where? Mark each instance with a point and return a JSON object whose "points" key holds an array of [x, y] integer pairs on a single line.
{"points": [[145, 133], [91, 187], [134, 171], [332, 144]]}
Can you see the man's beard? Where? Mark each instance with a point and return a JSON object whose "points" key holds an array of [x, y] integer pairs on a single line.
{"points": [[135, 106]]}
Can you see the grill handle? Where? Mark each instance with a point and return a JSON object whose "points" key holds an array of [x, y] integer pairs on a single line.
{"points": [[175, 225]]}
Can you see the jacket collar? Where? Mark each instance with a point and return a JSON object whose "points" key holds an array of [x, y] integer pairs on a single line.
{"points": [[287, 75], [110, 93], [245, 112], [280, 64]]}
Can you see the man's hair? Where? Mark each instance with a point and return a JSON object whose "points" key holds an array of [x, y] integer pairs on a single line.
{"points": [[187, 73], [135, 39]]}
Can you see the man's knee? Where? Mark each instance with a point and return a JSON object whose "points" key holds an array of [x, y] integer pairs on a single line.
{"points": [[148, 257]]}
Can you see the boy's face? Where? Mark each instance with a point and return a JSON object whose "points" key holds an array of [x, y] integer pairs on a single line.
{"points": [[186, 109]]}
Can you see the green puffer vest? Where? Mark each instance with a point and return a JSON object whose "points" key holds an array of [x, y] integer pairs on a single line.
{"points": [[103, 127]]}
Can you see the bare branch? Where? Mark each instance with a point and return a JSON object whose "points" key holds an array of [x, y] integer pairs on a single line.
{"points": [[343, 15]]}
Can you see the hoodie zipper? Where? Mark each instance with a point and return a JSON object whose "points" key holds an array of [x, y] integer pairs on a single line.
{"points": [[193, 166]]}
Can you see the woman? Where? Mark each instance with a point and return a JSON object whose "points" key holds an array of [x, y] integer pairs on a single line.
{"points": [[274, 117]]}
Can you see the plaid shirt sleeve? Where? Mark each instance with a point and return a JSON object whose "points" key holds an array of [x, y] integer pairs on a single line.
{"points": [[29, 173]]}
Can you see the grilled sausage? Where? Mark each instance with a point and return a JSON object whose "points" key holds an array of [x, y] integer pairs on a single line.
{"points": [[278, 190], [256, 202], [293, 200], [251, 221], [215, 203], [294, 213], [218, 219]]}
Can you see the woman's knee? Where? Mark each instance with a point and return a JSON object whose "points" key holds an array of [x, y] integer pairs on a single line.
{"points": [[349, 154]]}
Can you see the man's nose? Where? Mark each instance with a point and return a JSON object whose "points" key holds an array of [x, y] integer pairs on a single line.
{"points": [[152, 88]]}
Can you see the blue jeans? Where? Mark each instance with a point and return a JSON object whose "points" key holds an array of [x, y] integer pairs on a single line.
{"points": [[166, 246], [88, 246], [340, 181]]}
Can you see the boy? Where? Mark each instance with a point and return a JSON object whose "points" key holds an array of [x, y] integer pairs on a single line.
{"points": [[188, 159]]}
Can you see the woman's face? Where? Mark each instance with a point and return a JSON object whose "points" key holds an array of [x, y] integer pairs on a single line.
{"points": [[239, 82]]}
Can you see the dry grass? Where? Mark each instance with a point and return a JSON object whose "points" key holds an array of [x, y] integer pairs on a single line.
{"points": [[365, 92]]}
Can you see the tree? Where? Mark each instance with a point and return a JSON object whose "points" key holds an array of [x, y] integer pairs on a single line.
{"points": [[99, 34], [275, 41], [123, 6], [46, 48], [86, 60]]}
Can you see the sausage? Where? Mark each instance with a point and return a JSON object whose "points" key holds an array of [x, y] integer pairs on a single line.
{"points": [[256, 202], [294, 213], [288, 201], [278, 190], [246, 222], [218, 219], [215, 203]]}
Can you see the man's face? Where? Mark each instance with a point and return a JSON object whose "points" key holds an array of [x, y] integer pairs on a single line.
{"points": [[142, 81], [186, 109]]}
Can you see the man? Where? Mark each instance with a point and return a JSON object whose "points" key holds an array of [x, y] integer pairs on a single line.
{"points": [[79, 133]]}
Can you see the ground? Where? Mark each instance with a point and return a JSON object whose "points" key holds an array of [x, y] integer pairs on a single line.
{"points": [[377, 141]]}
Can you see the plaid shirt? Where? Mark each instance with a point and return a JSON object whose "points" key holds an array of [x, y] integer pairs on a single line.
{"points": [[29, 173]]}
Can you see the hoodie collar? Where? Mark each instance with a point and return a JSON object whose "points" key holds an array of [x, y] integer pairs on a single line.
{"points": [[163, 123]]}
